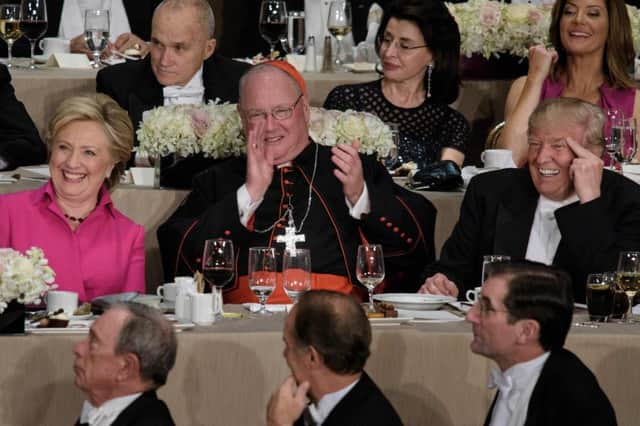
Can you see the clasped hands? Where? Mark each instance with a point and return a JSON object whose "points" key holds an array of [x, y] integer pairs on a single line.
{"points": [[260, 164]]}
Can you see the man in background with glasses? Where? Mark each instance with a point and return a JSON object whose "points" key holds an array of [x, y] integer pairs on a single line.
{"points": [[335, 196], [521, 320]]}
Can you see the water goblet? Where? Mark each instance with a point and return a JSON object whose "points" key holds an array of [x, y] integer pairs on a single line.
{"points": [[339, 25], [273, 23], [611, 140], [487, 260], [370, 268], [10, 27], [218, 268], [296, 273], [33, 23], [96, 32], [262, 274]]}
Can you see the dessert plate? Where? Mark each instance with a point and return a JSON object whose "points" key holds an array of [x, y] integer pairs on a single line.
{"points": [[414, 301]]}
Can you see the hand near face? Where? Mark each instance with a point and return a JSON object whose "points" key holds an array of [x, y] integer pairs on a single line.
{"points": [[287, 403], [439, 284], [540, 61], [586, 172], [259, 162], [349, 170]]}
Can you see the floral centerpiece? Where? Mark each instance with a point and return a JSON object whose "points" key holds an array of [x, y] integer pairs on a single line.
{"points": [[215, 130], [24, 277]]}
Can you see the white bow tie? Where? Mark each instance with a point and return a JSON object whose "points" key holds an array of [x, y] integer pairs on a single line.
{"points": [[505, 386], [183, 92]]}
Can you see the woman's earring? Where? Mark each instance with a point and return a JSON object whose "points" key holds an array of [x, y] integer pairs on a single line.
{"points": [[429, 72]]}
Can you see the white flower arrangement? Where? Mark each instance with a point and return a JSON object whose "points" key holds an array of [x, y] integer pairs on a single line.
{"points": [[24, 277], [215, 130]]}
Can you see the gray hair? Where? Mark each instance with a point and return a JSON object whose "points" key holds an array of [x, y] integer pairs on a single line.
{"points": [[203, 11], [148, 335], [570, 110]]}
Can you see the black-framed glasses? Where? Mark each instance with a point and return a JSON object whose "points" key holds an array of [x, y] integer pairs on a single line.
{"points": [[278, 113], [386, 42]]}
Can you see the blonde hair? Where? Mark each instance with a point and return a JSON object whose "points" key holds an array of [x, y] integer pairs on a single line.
{"points": [[105, 111]]}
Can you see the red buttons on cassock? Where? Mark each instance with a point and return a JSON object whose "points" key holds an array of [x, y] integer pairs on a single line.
{"points": [[409, 240], [279, 225], [402, 235], [389, 224], [284, 206], [227, 233], [396, 229], [288, 182], [383, 219]]}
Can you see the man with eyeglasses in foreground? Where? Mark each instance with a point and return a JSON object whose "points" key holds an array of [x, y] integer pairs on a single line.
{"points": [[521, 321], [562, 209], [334, 196]]}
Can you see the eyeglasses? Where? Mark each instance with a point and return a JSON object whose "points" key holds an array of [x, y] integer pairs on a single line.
{"points": [[278, 113], [403, 47], [484, 305]]}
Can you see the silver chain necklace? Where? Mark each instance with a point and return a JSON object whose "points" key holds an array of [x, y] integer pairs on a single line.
{"points": [[288, 213]]}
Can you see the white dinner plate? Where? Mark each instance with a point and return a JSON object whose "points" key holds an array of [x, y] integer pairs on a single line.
{"points": [[432, 316], [361, 67], [41, 59], [414, 301]]}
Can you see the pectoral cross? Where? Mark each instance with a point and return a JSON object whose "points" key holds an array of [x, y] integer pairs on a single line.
{"points": [[290, 238]]}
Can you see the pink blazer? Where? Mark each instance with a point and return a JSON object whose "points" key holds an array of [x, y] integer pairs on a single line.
{"points": [[104, 255]]}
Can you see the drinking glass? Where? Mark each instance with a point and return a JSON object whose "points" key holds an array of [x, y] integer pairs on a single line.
{"points": [[96, 32], [370, 268], [600, 291], [611, 143], [33, 23], [217, 268], [624, 130], [392, 160], [296, 273], [273, 22], [339, 25], [262, 274], [487, 260], [10, 27], [628, 277]]}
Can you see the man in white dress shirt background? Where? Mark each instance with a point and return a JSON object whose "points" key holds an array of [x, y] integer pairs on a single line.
{"points": [[327, 337], [562, 209], [521, 321], [119, 366]]}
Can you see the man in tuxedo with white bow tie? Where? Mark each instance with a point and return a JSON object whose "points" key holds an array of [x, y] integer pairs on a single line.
{"points": [[327, 337], [181, 68], [119, 366], [521, 321]]}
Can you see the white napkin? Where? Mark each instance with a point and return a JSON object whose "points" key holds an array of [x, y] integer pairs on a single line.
{"points": [[255, 307]]}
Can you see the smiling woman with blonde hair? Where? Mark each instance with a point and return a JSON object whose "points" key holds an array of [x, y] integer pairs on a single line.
{"points": [[93, 248]]}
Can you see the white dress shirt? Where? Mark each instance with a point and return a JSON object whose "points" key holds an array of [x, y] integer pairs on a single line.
{"points": [[107, 412], [191, 93], [321, 410], [545, 235], [72, 17], [515, 387]]}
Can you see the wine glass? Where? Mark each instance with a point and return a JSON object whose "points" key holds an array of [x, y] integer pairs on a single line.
{"points": [[370, 268], [262, 274], [391, 161], [611, 139], [33, 23], [628, 276], [296, 273], [218, 267], [10, 27], [96, 32], [339, 25], [625, 131], [273, 22]]}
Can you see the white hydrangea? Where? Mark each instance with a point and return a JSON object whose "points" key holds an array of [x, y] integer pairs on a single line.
{"points": [[24, 277]]}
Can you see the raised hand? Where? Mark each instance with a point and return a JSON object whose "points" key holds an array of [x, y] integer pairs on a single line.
{"points": [[439, 284], [349, 170], [259, 161], [287, 403], [540, 61], [586, 172]]}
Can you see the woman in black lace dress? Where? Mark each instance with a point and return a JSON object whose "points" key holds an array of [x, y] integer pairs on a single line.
{"points": [[418, 44]]}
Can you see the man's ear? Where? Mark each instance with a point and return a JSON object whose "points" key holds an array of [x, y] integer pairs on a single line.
{"points": [[209, 48], [313, 358], [529, 331], [129, 367]]}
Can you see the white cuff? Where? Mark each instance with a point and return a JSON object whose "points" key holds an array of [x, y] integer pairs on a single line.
{"points": [[246, 207], [362, 206]]}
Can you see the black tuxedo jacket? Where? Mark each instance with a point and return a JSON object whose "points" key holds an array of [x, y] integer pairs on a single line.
{"points": [[136, 89], [20, 143], [496, 218], [567, 393], [365, 404], [146, 410]]}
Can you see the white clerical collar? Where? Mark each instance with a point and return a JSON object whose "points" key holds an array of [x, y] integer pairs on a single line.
{"points": [[72, 17], [321, 410], [106, 414], [190, 93]]}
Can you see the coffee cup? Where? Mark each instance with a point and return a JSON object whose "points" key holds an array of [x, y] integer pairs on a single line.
{"points": [[149, 300], [142, 176], [497, 158], [186, 285], [202, 308], [168, 291], [65, 300], [472, 295], [183, 307], [51, 45]]}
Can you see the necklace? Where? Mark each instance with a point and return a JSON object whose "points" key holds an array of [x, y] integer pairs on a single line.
{"points": [[288, 213], [75, 219]]}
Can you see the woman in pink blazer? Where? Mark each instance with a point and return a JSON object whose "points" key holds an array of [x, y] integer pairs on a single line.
{"points": [[92, 247]]}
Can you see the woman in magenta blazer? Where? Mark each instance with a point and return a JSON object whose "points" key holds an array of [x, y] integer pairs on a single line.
{"points": [[92, 247]]}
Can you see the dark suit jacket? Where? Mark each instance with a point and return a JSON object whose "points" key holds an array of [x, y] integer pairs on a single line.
{"points": [[20, 143], [139, 14], [567, 393], [136, 89], [146, 410], [497, 214], [365, 404]]}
